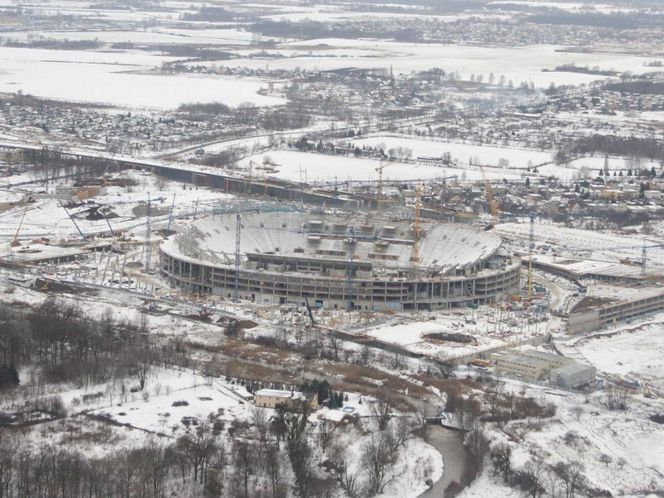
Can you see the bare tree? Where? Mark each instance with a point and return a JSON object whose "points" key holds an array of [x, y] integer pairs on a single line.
{"points": [[478, 445], [570, 474], [378, 461], [529, 478], [441, 365], [617, 398], [259, 418], [273, 467], [142, 365], [365, 354], [349, 479], [381, 410], [334, 344], [244, 454]]}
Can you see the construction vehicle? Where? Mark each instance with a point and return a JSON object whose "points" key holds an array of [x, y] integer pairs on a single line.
{"points": [[477, 362]]}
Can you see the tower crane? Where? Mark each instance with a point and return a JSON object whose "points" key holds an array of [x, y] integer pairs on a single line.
{"points": [[644, 252], [248, 184], [379, 193], [531, 248], [415, 254], [238, 233], [349, 270], [493, 205]]}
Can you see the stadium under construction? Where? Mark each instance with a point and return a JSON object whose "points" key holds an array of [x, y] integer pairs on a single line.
{"points": [[339, 262]]}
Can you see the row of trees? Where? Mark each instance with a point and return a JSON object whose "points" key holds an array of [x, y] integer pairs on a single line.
{"points": [[66, 345]]}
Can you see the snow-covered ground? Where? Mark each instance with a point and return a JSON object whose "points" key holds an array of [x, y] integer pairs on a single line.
{"points": [[516, 64], [47, 218], [462, 154], [585, 243], [119, 79], [161, 35], [621, 452], [489, 328], [311, 168]]}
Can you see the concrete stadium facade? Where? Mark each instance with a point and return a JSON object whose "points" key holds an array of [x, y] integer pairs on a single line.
{"points": [[339, 263]]}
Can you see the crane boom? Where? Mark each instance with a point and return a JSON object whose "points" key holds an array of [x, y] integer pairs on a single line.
{"points": [[15, 242], [379, 193]]}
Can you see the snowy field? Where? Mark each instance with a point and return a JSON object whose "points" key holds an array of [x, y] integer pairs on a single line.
{"points": [[118, 79], [620, 452], [47, 218], [462, 154], [149, 36], [588, 167], [312, 168], [489, 328], [634, 351], [584, 243], [516, 64]]}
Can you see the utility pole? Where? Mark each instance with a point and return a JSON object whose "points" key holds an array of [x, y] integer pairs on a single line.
{"points": [[238, 231], [644, 257], [195, 209]]}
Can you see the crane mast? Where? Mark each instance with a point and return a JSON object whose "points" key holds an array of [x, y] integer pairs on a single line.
{"points": [[238, 231], [415, 254], [531, 248], [349, 269], [15, 242]]}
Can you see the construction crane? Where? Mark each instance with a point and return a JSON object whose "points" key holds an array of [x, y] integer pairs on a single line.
{"points": [[379, 193], [170, 215], [15, 242], [531, 248], [74, 222], [248, 184], [493, 205], [309, 312], [238, 232], [415, 254], [349, 268]]}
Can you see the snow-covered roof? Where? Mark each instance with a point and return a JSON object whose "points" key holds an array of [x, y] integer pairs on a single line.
{"points": [[279, 393]]}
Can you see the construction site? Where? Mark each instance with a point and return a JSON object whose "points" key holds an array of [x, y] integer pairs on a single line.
{"points": [[340, 262]]}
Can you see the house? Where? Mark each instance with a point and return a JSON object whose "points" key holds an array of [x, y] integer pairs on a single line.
{"points": [[271, 398]]}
